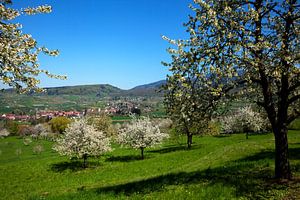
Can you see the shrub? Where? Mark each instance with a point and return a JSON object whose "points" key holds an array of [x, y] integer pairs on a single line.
{"points": [[25, 130], [39, 129], [59, 124], [26, 141], [12, 127], [18, 152], [49, 136], [38, 149], [4, 133]]}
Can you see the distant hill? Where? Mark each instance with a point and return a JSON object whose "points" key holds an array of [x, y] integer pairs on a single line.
{"points": [[147, 89], [100, 90], [77, 97]]}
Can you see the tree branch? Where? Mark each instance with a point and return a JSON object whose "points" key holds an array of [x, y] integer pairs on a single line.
{"points": [[293, 99], [293, 116]]}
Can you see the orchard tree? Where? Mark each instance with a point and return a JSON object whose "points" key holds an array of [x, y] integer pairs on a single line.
{"points": [[187, 100], [141, 133], [82, 140], [19, 66], [244, 120], [251, 46]]}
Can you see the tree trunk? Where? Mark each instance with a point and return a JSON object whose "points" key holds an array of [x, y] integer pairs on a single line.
{"points": [[142, 153], [85, 161], [282, 165], [189, 140]]}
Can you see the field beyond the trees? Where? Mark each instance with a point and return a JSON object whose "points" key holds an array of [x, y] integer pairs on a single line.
{"points": [[221, 167]]}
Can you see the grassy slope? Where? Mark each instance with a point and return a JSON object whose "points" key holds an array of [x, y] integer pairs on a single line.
{"points": [[216, 168]]}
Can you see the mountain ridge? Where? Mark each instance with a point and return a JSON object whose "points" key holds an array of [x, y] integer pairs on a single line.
{"points": [[101, 90]]}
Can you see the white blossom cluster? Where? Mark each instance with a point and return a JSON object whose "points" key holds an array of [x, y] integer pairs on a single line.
{"points": [[243, 120], [4, 133], [81, 139], [141, 133], [19, 66]]}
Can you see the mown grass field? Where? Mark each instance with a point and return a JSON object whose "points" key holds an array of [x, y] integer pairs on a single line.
{"points": [[215, 168]]}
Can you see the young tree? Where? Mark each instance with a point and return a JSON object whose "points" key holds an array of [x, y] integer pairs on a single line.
{"points": [[141, 133], [244, 120], [252, 45], [82, 140], [19, 66], [59, 124], [187, 100]]}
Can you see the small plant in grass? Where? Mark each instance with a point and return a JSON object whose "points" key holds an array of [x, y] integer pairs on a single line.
{"points": [[141, 133], [26, 141], [38, 149], [18, 152], [82, 140], [4, 133]]}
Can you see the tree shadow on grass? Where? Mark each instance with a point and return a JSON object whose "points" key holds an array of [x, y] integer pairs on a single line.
{"points": [[250, 177], [221, 136], [74, 166], [294, 154], [127, 158], [173, 148]]}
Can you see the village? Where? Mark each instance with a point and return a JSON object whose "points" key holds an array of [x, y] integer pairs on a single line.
{"points": [[112, 109]]}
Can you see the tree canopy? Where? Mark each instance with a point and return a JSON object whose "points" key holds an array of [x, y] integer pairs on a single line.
{"points": [[19, 66], [82, 140], [247, 48]]}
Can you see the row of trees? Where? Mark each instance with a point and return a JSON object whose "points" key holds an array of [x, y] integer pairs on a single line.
{"points": [[82, 139]]}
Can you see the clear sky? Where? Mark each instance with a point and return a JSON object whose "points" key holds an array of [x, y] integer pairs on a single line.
{"points": [[106, 41]]}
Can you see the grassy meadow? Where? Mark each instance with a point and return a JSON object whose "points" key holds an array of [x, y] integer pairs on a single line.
{"points": [[223, 167]]}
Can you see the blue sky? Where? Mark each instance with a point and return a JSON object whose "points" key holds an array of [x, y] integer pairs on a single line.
{"points": [[106, 41]]}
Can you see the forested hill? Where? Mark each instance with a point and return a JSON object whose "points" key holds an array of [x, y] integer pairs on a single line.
{"points": [[100, 90]]}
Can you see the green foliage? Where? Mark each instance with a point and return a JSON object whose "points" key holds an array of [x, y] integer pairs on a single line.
{"points": [[12, 127], [215, 168], [295, 125], [103, 123], [59, 124], [213, 128]]}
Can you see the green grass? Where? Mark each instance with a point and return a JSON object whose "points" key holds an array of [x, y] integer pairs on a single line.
{"points": [[215, 168]]}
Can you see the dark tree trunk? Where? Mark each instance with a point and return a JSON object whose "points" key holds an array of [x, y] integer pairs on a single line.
{"points": [[189, 140], [85, 160], [142, 153], [282, 165]]}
